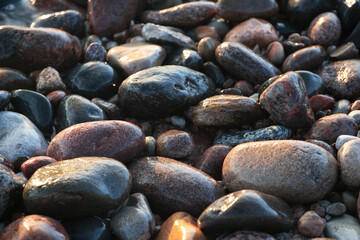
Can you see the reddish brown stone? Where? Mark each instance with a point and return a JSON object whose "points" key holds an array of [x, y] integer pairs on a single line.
{"points": [[34, 163], [49, 80], [245, 88], [206, 48], [305, 59], [114, 139], [275, 53], [206, 31], [325, 29], [175, 144], [180, 226], [57, 5], [108, 17], [321, 102], [185, 15], [329, 128], [34, 227], [55, 98], [251, 32], [26, 49], [212, 159], [95, 52], [311, 224], [355, 105]]}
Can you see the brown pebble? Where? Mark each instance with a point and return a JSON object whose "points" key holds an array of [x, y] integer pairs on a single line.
{"points": [[245, 87], [206, 31], [49, 80], [175, 144], [325, 29], [55, 98], [57, 5], [305, 59], [95, 52], [321, 102], [275, 53], [311, 224], [355, 105], [32, 164]]}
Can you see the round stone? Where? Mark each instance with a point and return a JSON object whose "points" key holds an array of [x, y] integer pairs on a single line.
{"points": [[175, 144]]}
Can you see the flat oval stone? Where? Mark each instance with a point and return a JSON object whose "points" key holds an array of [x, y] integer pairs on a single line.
{"points": [[227, 110], [76, 109], [35, 227], [163, 91], [325, 29], [175, 144], [247, 209], [77, 187], [295, 171], [329, 128], [107, 17], [11, 79], [19, 137], [25, 49], [239, 10], [92, 79], [189, 14], [130, 58], [304, 59], [349, 159], [163, 183], [32, 164], [242, 63], [342, 78], [287, 102], [343, 228], [114, 139], [251, 32]]}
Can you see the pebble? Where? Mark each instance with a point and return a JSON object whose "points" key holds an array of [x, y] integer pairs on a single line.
{"points": [[111, 16], [189, 14], [95, 52], [275, 53], [325, 29], [27, 51], [206, 31], [287, 102], [206, 48], [32, 164], [321, 102], [74, 109], [246, 209], [245, 87], [57, 5], [296, 171], [69, 21], [130, 58], [311, 224], [180, 225], [329, 128], [178, 121], [343, 228], [349, 200], [248, 235], [10, 190], [78, 187], [55, 98], [253, 32], [35, 227], [214, 72], [161, 34], [163, 91], [114, 139], [186, 58], [342, 139], [49, 80], [242, 63], [336, 209], [355, 105], [112, 111], [354, 36], [239, 10], [134, 220], [276, 132], [12, 79], [227, 110], [349, 161], [163, 183], [221, 26], [345, 51], [313, 82], [356, 115], [175, 144], [342, 106], [19, 137], [307, 58]]}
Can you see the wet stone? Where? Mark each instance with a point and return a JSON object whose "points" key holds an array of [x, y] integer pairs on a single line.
{"points": [[19, 137], [77, 187], [276, 132], [227, 110], [32, 164], [247, 209], [95, 52], [161, 34], [49, 80], [134, 220], [92, 79], [5, 97], [336, 209], [321, 102], [325, 29], [185, 15], [130, 58], [12, 79], [342, 106], [220, 25], [345, 51], [25, 48], [212, 70], [287, 164], [253, 32], [329, 128], [313, 82], [311, 224], [186, 58], [245, 88], [242, 63], [76, 109], [275, 53], [69, 21], [342, 139], [343, 228], [163, 91], [356, 115], [206, 48], [112, 111], [237, 11], [162, 181], [206, 31], [348, 15], [114, 139], [349, 159], [175, 144], [55, 98], [305, 59], [35, 227]]}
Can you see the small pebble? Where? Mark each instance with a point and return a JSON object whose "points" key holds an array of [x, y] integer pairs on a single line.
{"points": [[311, 224]]}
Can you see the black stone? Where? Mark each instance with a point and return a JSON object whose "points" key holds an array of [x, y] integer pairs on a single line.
{"points": [[291, 47], [80, 2], [221, 26], [345, 51], [112, 111], [355, 36], [283, 27], [4, 99], [213, 71], [349, 14], [186, 58], [11, 79]]}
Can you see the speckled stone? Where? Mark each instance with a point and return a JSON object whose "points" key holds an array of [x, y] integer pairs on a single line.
{"points": [[343, 228], [329, 128], [35, 227], [175, 144], [242, 63], [114, 139], [206, 48], [320, 102], [287, 102], [296, 171], [342, 139], [253, 32], [49, 80], [12, 79], [307, 58], [189, 14], [227, 110], [32, 164], [163, 183], [311, 224], [275, 53], [95, 52], [25, 48], [247, 209], [77, 187], [349, 159], [325, 29]]}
